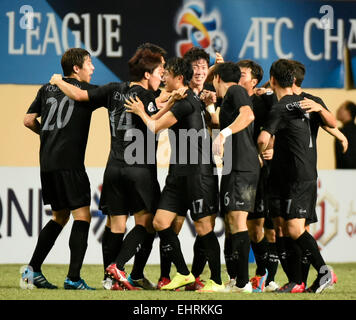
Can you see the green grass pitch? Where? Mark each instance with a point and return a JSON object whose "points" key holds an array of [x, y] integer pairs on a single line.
{"points": [[345, 288]]}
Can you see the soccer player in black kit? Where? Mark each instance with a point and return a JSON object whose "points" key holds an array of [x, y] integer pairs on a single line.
{"points": [[63, 132], [191, 183], [319, 116], [130, 180], [241, 164], [260, 225], [199, 61], [293, 173]]}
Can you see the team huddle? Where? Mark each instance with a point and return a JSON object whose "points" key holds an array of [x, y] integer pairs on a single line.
{"points": [[266, 194]]}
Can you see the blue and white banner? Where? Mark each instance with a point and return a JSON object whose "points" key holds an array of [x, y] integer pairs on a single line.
{"points": [[35, 33], [23, 215]]}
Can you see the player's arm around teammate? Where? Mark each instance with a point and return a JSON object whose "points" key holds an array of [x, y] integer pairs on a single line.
{"points": [[188, 185], [62, 164], [241, 164]]}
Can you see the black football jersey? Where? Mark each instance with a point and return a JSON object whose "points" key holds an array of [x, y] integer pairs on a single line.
{"points": [[64, 127], [191, 145], [244, 155], [131, 142], [260, 110], [294, 149]]}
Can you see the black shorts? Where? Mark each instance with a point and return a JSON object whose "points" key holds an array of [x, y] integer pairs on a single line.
{"points": [[127, 190], [301, 201], [198, 193], [277, 191], [66, 189], [261, 201], [238, 191]]}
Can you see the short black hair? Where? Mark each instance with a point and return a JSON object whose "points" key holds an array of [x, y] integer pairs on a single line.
{"points": [[73, 57], [196, 53], [299, 70], [227, 71], [283, 72], [351, 107], [256, 69], [153, 47], [180, 67]]}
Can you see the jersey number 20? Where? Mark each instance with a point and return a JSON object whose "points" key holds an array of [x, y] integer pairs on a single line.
{"points": [[60, 122]]}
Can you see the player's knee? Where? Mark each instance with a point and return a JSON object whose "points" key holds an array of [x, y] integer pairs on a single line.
{"points": [[270, 235], [178, 224], [159, 224], [255, 231], [202, 229], [255, 235], [61, 218]]}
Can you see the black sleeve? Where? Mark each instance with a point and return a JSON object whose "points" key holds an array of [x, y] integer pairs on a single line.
{"points": [[149, 101], [269, 99], [181, 109], [274, 120], [240, 97], [35, 106], [100, 96], [338, 155]]}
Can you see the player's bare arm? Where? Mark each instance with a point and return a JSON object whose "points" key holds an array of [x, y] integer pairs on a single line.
{"points": [[268, 153], [153, 124], [68, 89], [335, 132], [209, 98], [311, 106], [31, 122], [263, 141], [242, 121]]}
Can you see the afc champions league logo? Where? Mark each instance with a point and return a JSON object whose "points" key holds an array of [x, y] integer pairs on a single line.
{"points": [[202, 30]]}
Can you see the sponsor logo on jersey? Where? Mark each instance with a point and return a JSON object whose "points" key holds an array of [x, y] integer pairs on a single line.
{"points": [[151, 107]]}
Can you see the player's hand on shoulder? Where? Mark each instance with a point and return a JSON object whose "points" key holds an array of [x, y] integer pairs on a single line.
{"points": [[310, 105], [134, 105], [208, 97], [179, 94], [163, 97], [259, 91], [55, 78]]}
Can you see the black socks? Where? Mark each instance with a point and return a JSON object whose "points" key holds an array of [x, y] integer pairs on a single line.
{"points": [[45, 242], [308, 244], [142, 256], [171, 248], [165, 264], [111, 245], [241, 249], [294, 260], [78, 242], [199, 258], [260, 250], [282, 254], [230, 261], [211, 250], [272, 262], [131, 245]]}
